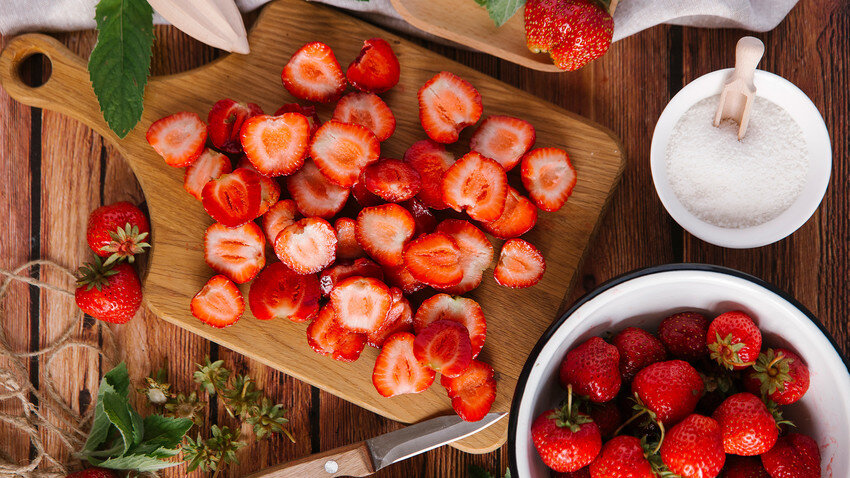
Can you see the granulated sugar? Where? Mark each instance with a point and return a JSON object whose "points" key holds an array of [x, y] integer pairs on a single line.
{"points": [[731, 183]]}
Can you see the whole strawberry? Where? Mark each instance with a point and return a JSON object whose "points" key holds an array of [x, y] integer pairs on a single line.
{"points": [[747, 425], [622, 456], [93, 473], [684, 335], [733, 340], [593, 370], [109, 293], [638, 348], [794, 456], [117, 231], [574, 32], [780, 375], [744, 467], [566, 439], [694, 448], [670, 390]]}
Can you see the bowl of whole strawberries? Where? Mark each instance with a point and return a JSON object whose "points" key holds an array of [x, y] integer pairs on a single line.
{"points": [[683, 370]]}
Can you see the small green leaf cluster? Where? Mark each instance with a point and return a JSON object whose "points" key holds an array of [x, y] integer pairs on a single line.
{"points": [[501, 10]]}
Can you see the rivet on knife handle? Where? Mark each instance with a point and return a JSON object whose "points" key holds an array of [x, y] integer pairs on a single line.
{"points": [[352, 460]]}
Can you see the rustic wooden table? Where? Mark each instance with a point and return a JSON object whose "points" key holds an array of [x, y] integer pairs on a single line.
{"points": [[53, 171]]}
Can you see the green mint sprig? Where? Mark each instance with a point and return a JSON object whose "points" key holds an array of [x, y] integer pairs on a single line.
{"points": [[501, 10]]}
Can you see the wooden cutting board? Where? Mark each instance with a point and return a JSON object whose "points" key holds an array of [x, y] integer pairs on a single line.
{"points": [[515, 318]]}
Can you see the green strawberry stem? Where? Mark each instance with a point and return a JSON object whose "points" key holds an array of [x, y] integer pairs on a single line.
{"points": [[568, 416], [630, 420]]}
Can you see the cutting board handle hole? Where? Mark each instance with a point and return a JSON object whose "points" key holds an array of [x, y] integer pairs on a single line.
{"points": [[35, 69]]}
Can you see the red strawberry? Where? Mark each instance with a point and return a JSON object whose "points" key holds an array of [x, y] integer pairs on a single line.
{"points": [[794, 456], [683, 335], [638, 349], [565, 439], [592, 369], [225, 120], [383, 231], [694, 448], [574, 32], [375, 69], [744, 467], [327, 337], [363, 196], [582, 473], [422, 216], [504, 139], [314, 195], [219, 303], [179, 138], [280, 292], [276, 145], [549, 177], [391, 180], [234, 198], [396, 369], [306, 246], [447, 104], [239, 253], [519, 217], [670, 390], [472, 392], [117, 231], [269, 193], [209, 165], [347, 246], [399, 276], [607, 417], [362, 267], [622, 456], [434, 259], [459, 309], [747, 425], [93, 473], [734, 340], [477, 185], [779, 375], [476, 253], [444, 347], [342, 150], [520, 265], [399, 319], [367, 110], [431, 161], [282, 214], [313, 74], [361, 303], [308, 111], [112, 294]]}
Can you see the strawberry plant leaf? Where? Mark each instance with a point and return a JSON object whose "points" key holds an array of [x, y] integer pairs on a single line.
{"points": [[118, 412], [140, 463], [501, 10]]}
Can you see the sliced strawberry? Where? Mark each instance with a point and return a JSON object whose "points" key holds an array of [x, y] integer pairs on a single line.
{"points": [[326, 337], [242, 162], [179, 138], [342, 150], [375, 69], [476, 253], [233, 198], [383, 231], [422, 216], [306, 246], [549, 177], [520, 265], [367, 110], [519, 216], [399, 319], [210, 165], [444, 347], [308, 111], [269, 193], [478, 185], [276, 145], [459, 309], [225, 121], [282, 214], [313, 74], [314, 194], [361, 303], [239, 252], [447, 104], [347, 246], [334, 274], [504, 139], [280, 292], [399, 276], [434, 259], [473, 392], [219, 303], [431, 161], [363, 196], [396, 369], [391, 179]]}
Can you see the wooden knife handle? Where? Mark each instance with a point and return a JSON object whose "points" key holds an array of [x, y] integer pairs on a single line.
{"points": [[351, 460]]}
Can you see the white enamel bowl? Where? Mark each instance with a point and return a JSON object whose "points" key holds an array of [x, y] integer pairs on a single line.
{"points": [[643, 298], [800, 107]]}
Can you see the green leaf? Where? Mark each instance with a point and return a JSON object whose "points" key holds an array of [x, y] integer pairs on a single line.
{"points": [[478, 472], [111, 381], [508, 473], [120, 62], [119, 379], [165, 432], [139, 463], [501, 10], [119, 413]]}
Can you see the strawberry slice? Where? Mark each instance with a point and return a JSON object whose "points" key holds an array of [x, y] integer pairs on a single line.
{"points": [[362, 267], [422, 216], [473, 392], [308, 111], [476, 253], [314, 194], [396, 369], [233, 198], [219, 303], [478, 185], [400, 277], [519, 217], [342, 150], [391, 179], [276, 145], [361, 303], [179, 138], [210, 165], [238, 252], [280, 292], [363, 196], [431, 161], [399, 319], [462, 310], [225, 120], [282, 214], [367, 110], [504, 139], [313, 74], [444, 347], [382, 232], [375, 69], [269, 193], [447, 104], [326, 337], [434, 259], [520, 265], [549, 177], [306, 246], [347, 246]]}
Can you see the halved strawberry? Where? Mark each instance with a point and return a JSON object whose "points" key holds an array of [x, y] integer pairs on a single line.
{"points": [[367, 110], [504, 139], [225, 121], [396, 369], [478, 185], [269, 193], [399, 319], [314, 194], [444, 347], [233, 198], [473, 392], [334, 274], [219, 303], [476, 253], [327, 337], [361, 303], [422, 216], [375, 69], [347, 246], [280, 292], [276, 145], [363, 196], [519, 216], [431, 161], [210, 165], [313, 74], [459, 309], [434, 259], [306, 246], [391, 179], [179, 138], [239, 252], [520, 265], [549, 177], [282, 214], [342, 150], [383, 231], [399, 276], [308, 111], [447, 104]]}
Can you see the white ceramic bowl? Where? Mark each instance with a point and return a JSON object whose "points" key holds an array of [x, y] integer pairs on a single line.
{"points": [[799, 106], [643, 298]]}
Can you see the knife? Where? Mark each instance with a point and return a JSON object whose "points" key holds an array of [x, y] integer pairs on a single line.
{"points": [[214, 22], [367, 457]]}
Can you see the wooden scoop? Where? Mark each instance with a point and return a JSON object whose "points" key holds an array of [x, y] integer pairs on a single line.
{"points": [[739, 92]]}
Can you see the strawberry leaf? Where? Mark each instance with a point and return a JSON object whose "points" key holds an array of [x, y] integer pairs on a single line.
{"points": [[501, 10]]}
